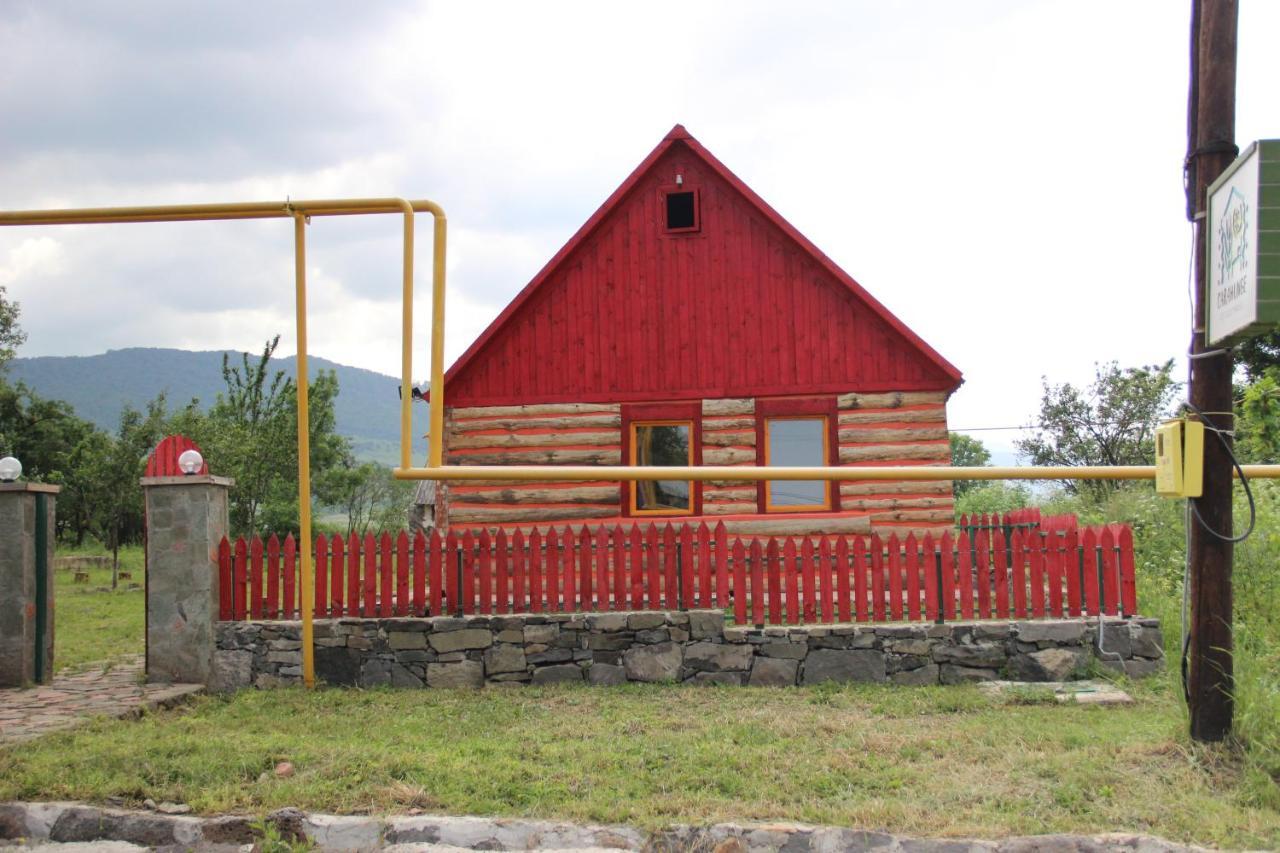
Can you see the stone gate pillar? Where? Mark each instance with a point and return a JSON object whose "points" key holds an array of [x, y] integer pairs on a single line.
{"points": [[27, 512], [186, 519]]}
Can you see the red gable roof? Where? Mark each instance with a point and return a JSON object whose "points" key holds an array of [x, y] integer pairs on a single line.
{"points": [[744, 306]]}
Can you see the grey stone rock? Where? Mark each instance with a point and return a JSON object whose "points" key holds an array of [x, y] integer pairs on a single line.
{"points": [[659, 662], [717, 657], [774, 672], [613, 642], [643, 621], [375, 672], [792, 651], [402, 640], [1048, 665], [951, 674], [733, 679], [232, 670], [653, 635], [983, 656], [1148, 643], [602, 674], [466, 673], [607, 622], [1116, 639], [558, 674], [550, 656], [510, 635], [736, 634], [706, 624], [837, 665], [909, 647], [1142, 667], [678, 635], [541, 633], [504, 657], [992, 631], [1051, 631], [467, 638], [414, 656], [927, 674], [402, 677], [343, 832]]}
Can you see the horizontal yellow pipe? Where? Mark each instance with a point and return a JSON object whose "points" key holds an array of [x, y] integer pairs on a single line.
{"points": [[546, 473], [200, 212]]}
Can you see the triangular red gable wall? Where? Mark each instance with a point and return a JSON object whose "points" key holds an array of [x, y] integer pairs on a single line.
{"points": [[746, 306]]}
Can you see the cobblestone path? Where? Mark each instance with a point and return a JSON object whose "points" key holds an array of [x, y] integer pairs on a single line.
{"points": [[74, 699]]}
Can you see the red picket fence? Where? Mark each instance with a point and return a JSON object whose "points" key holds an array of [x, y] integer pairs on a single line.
{"points": [[1028, 518], [765, 580]]}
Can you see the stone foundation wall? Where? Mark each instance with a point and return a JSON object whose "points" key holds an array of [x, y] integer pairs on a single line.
{"points": [[695, 646]]}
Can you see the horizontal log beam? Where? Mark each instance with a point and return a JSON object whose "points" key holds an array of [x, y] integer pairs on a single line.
{"points": [[922, 487], [727, 456], [898, 503], [891, 400], [932, 414], [728, 493], [915, 515], [548, 439], [894, 452], [535, 409], [744, 406], [743, 508], [799, 526], [728, 423], [729, 439], [868, 436], [606, 420], [586, 495], [492, 515], [540, 457]]}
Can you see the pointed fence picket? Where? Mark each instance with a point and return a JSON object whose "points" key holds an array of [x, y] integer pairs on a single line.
{"points": [[1032, 572]]}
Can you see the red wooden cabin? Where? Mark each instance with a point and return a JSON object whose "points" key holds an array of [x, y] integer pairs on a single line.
{"points": [[688, 323]]}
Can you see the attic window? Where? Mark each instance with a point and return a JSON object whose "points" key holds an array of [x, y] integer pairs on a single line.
{"points": [[682, 210]]}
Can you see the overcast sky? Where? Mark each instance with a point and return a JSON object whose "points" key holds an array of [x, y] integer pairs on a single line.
{"points": [[1004, 176]]}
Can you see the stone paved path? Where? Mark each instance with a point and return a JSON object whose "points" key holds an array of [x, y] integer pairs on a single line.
{"points": [[73, 700]]}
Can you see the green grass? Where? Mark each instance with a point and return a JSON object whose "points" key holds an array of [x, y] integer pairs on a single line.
{"points": [[927, 761], [91, 623]]}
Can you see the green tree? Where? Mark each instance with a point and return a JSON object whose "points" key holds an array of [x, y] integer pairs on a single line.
{"points": [[250, 434], [116, 503], [967, 452], [11, 336], [1111, 422], [1259, 353], [371, 499], [54, 446], [1258, 419]]}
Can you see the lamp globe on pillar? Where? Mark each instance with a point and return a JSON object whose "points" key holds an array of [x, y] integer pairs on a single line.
{"points": [[190, 462], [10, 469]]}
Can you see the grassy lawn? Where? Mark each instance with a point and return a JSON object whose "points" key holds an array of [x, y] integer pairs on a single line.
{"points": [[928, 761], [92, 623]]}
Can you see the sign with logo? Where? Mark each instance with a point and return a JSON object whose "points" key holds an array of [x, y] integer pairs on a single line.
{"points": [[1244, 246]]}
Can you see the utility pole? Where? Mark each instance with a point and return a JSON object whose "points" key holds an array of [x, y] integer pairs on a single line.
{"points": [[1211, 117]]}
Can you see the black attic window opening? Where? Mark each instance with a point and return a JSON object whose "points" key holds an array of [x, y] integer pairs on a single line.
{"points": [[682, 211]]}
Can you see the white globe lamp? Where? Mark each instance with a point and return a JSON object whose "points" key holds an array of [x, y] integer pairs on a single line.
{"points": [[10, 469], [190, 462]]}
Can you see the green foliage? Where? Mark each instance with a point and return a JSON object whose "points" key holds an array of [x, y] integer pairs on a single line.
{"points": [[967, 452], [1259, 353], [1258, 419], [250, 434], [11, 335], [994, 496], [1111, 422], [370, 498]]}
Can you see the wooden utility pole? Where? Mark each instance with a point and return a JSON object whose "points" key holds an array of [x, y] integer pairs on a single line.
{"points": [[1211, 117]]}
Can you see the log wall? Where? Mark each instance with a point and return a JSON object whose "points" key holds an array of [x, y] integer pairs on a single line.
{"points": [[905, 428]]}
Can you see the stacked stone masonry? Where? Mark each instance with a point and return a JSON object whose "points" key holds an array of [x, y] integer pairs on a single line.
{"points": [[695, 647]]}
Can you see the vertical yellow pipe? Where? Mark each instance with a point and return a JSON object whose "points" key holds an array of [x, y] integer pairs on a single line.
{"points": [[406, 339], [304, 452], [435, 447]]}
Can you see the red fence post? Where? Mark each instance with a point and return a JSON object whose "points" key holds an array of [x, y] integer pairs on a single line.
{"points": [[320, 603], [519, 584], [964, 572], [239, 578], [485, 569], [419, 573], [895, 577], [913, 577], [757, 584], [290, 570], [1128, 580], [826, 580], [273, 577], [722, 566], [1000, 547], [879, 610], [386, 574], [859, 569], [402, 574], [790, 575], [948, 578], [1110, 572], [929, 564], [535, 571], [704, 566], [808, 577], [739, 583], [774, 582], [620, 574], [843, 570]]}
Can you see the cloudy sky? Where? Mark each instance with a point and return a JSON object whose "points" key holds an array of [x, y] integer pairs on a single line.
{"points": [[1005, 176]]}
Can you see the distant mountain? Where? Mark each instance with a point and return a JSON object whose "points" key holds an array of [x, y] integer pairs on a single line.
{"points": [[100, 386]]}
